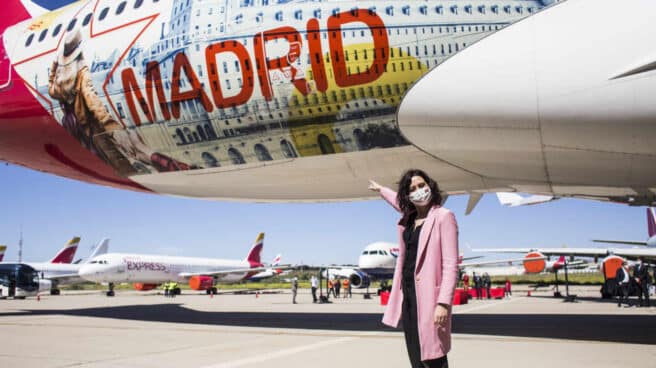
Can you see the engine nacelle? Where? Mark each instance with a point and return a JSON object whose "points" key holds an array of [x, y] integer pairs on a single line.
{"points": [[45, 285], [609, 266], [534, 266], [143, 287], [201, 282], [359, 280]]}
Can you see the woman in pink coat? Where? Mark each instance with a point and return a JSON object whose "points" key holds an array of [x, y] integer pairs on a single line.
{"points": [[426, 270]]}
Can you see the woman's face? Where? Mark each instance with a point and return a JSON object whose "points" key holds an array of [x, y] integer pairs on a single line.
{"points": [[417, 182]]}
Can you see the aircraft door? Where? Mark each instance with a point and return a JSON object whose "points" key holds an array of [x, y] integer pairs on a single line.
{"points": [[5, 68]]}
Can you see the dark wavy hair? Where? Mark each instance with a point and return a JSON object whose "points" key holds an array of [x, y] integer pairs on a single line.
{"points": [[402, 195]]}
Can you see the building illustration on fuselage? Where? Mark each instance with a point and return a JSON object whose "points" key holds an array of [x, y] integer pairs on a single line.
{"points": [[217, 83]]}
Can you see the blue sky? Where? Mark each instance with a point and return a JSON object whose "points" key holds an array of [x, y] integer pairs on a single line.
{"points": [[52, 209]]}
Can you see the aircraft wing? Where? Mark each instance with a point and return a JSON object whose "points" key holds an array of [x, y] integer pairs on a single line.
{"points": [[474, 264], [223, 273], [64, 278], [628, 242], [631, 253]]}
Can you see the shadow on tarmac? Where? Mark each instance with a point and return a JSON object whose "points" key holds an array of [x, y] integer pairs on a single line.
{"points": [[638, 329]]}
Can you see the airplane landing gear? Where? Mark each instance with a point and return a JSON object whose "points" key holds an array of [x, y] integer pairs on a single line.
{"points": [[111, 289]]}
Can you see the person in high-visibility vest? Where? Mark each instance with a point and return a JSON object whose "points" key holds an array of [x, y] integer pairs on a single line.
{"points": [[165, 287], [174, 289], [331, 289], [346, 285]]}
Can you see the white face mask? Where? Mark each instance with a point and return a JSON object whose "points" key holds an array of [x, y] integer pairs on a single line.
{"points": [[421, 196]]}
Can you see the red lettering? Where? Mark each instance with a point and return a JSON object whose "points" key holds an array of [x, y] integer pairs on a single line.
{"points": [[215, 82], [381, 42], [316, 55], [181, 63], [264, 64], [131, 89]]}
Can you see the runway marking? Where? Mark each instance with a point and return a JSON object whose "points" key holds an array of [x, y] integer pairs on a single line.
{"points": [[279, 354], [485, 306]]}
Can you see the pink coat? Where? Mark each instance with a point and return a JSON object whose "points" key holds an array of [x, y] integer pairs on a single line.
{"points": [[436, 274]]}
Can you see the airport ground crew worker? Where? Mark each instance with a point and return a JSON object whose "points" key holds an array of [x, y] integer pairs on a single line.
{"points": [[165, 287], [338, 285], [507, 289], [173, 289], [346, 285], [478, 286], [294, 289], [331, 288]]}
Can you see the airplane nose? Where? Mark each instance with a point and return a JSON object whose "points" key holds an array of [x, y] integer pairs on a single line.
{"points": [[478, 109]]}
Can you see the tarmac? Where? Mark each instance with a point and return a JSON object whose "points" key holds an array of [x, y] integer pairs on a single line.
{"points": [[195, 330]]}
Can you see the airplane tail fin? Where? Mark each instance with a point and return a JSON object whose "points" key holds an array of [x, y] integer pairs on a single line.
{"points": [[651, 221], [101, 248], [67, 253], [254, 256], [3, 248], [276, 261]]}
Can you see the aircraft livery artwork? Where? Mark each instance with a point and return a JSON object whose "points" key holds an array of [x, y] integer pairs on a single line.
{"points": [[156, 86]]}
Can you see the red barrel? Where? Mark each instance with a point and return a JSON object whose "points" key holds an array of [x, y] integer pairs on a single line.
{"points": [[384, 297]]}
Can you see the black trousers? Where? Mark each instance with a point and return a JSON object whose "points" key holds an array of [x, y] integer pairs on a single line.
{"points": [[622, 294], [644, 291], [314, 294], [411, 330]]}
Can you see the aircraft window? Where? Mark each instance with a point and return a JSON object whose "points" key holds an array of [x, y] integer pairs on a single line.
{"points": [[439, 9], [481, 9], [279, 16], [454, 9], [336, 12], [138, 4], [71, 25], [423, 9], [120, 8], [298, 14], [43, 34], [372, 10], [468, 9], [406, 10], [86, 20], [57, 29], [520, 9], [317, 13], [389, 10], [507, 9], [495, 9]]}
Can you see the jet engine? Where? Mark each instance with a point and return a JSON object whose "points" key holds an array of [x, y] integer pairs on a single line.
{"points": [[143, 287], [359, 280], [201, 282], [45, 285], [534, 266]]}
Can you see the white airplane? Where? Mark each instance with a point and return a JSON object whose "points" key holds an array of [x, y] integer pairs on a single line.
{"points": [[152, 270], [247, 99], [271, 271], [651, 231], [378, 260], [52, 274]]}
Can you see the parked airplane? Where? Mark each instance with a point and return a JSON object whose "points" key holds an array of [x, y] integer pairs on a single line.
{"points": [[146, 95], [651, 231], [378, 260], [53, 274], [271, 271], [152, 270]]}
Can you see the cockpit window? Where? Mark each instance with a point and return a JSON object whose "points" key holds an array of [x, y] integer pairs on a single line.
{"points": [[57, 30], [29, 40], [43, 34], [103, 14], [71, 25], [86, 20], [365, 252], [137, 4]]}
